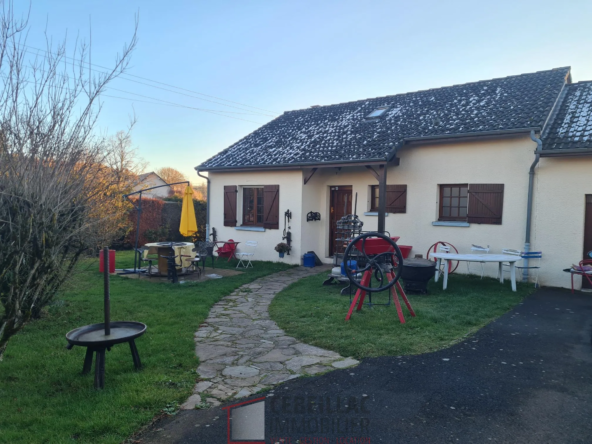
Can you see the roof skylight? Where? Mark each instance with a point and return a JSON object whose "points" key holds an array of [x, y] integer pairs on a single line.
{"points": [[377, 112]]}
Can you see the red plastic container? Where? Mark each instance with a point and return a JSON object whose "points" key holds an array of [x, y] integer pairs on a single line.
{"points": [[376, 245], [405, 250], [111, 261]]}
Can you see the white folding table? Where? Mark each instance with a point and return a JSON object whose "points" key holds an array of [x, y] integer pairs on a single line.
{"points": [[500, 258]]}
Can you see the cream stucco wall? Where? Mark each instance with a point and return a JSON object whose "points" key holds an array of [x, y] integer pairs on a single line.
{"points": [[558, 217], [290, 183], [423, 169]]}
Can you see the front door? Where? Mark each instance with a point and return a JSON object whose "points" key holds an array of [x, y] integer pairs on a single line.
{"points": [[587, 235], [341, 205]]}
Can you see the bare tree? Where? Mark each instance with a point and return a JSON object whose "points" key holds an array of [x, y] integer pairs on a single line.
{"points": [[123, 159], [171, 175], [119, 178], [200, 192], [54, 176]]}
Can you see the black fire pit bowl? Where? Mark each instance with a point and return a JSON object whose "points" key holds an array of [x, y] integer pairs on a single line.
{"points": [[95, 340], [416, 274], [100, 337], [94, 335]]}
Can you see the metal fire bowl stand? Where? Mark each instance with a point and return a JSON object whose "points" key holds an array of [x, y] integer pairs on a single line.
{"points": [[100, 337], [93, 338]]}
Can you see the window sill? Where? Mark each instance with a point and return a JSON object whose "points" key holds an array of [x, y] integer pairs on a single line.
{"points": [[450, 223], [247, 228], [373, 213]]}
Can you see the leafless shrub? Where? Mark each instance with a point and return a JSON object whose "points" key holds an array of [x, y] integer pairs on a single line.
{"points": [[54, 172]]}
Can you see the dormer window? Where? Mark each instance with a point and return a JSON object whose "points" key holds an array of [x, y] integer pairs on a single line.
{"points": [[378, 112]]}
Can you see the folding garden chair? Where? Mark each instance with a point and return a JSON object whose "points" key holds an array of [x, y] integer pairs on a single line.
{"points": [[140, 252], [171, 266], [478, 249], [443, 249], [246, 255], [194, 260], [205, 249], [526, 264]]}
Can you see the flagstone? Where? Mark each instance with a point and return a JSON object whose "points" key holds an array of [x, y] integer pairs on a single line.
{"points": [[296, 363], [243, 351], [275, 355], [201, 386], [348, 362], [240, 371], [306, 349], [243, 382]]}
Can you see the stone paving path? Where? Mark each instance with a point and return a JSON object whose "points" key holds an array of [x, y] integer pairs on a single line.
{"points": [[241, 350]]}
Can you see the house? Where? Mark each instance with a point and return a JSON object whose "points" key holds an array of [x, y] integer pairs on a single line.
{"points": [[504, 162], [149, 180]]}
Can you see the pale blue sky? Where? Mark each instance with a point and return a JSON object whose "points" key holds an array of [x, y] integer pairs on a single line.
{"points": [[284, 55]]}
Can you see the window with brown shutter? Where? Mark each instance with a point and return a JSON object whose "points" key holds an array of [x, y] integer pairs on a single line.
{"points": [[473, 203], [486, 203], [271, 206], [230, 192], [396, 198]]}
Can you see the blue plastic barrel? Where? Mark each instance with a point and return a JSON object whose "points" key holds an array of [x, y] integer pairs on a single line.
{"points": [[308, 260]]}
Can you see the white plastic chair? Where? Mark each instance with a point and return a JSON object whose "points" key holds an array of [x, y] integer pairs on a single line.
{"points": [[443, 249], [527, 257], [479, 249], [507, 266], [246, 255]]}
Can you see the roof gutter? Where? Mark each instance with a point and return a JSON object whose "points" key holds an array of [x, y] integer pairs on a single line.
{"points": [[574, 152], [537, 156], [296, 165], [472, 134]]}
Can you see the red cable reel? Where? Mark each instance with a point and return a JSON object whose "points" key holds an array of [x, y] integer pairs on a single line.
{"points": [[434, 249]]}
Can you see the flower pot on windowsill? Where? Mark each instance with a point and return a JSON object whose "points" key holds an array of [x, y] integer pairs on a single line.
{"points": [[281, 254]]}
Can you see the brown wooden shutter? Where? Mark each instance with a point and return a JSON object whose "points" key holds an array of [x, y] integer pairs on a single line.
{"points": [[486, 203], [396, 198], [230, 193], [271, 206]]}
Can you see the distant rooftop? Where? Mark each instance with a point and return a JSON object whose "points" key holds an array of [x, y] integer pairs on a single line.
{"points": [[352, 131], [142, 177]]}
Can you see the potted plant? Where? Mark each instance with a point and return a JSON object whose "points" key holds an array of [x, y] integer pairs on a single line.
{"points": [[282, 248]]}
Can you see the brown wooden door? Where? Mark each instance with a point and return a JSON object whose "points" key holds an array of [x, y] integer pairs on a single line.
{"points": [[341, 204], [587, 235]]}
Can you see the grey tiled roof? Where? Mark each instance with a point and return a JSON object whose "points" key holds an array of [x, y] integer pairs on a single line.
{"points": [[572, 126], [342, 133]]}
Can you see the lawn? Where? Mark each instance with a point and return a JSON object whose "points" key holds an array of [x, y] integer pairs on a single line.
{"points": [[44, 398], [315, 315]]}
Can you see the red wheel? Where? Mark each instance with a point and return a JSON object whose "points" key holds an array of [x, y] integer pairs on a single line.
{"points": [[434, 249]]}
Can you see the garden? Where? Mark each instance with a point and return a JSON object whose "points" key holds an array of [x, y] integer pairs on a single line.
{"points": [[45, 398], [315, 315]]}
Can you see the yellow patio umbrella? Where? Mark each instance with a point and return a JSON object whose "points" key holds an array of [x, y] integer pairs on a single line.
{"points": [[188, 224]]}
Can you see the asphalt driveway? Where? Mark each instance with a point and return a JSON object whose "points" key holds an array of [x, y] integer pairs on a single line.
{"points": [[525, 378]]}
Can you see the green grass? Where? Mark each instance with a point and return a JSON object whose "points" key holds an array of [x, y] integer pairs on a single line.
{"points": [[44, 398], [316, 315]]}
